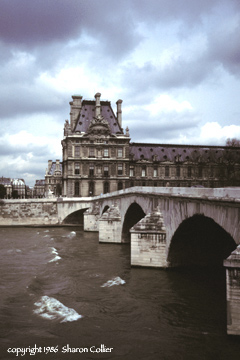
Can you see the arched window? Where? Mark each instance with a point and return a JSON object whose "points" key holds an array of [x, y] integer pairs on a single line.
{"points": [[120, 185]]}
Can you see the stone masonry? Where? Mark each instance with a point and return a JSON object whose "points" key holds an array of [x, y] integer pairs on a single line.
{"points": [[232, 265], [28, 212], [148, 241]]}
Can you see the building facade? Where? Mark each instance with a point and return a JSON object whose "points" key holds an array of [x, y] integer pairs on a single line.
{"points": [[53, 178], [39, 189], [15, 188], [98, 157], [95, 149]]}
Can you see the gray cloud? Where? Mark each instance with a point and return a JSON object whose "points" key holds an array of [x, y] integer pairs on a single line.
{"points": [[163, 127], [44, 37]]}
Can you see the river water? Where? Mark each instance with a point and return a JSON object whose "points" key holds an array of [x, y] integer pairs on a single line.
{"points": [[65, 296]]}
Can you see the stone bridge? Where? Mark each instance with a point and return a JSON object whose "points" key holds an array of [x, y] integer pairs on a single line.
{"points": [[166, 227], [176, 205], [170, 227]]}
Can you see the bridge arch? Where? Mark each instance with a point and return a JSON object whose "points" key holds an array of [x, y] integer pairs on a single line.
{"points": [[75, 218], [106, 207], [200, 241], [133, 214]]}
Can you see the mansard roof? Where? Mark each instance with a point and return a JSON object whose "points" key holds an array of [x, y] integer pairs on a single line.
{"points": [[179, 153], [87, 114], [53, 168], [5, 181], [40, 182]]}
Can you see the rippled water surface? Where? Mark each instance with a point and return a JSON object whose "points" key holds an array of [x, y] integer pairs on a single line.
{"points": [[60, 288]]}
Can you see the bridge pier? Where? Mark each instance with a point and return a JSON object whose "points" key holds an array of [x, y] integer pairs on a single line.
{"points": [[91, 217], [148, 241], [110, 227], [232, 265]]}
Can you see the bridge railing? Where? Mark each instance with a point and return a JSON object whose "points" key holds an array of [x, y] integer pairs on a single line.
{"points": [[188, 191]]}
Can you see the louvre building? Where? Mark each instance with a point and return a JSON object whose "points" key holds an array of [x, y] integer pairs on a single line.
{"points": [[99, 156]]}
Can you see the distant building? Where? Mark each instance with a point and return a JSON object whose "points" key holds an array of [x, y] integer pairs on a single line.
{"points": [[98, 156], [7, 182], [29, 191], [53, 178], [39, 189], [18, 189]]}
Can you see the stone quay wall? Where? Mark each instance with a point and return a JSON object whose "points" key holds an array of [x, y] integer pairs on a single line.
{"points": [[28, 212]]}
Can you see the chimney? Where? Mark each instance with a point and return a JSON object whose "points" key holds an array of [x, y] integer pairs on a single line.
{"points": [[49, 165], [119, 111], [75, 108], [97, 104], [57, 165]]}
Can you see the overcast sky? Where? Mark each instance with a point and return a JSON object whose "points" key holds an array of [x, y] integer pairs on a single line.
{"points": [[174, 63]]}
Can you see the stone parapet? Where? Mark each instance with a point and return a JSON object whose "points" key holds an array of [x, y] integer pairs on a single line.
{"points": [[28, 212]]}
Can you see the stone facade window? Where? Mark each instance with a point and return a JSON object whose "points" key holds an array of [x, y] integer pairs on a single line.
{"points": [[76, 188], [167, 171], [105, 153], [120, 169], [91, 152], [77, 169], [120, 185], [155, 172], [143, 171], [77, 151], [131, 171], [99, 170], [120, 152], [91, 188], [178, 171], [106, 187], [105, 170], [200, 171], [189, 171], [91, 170]]}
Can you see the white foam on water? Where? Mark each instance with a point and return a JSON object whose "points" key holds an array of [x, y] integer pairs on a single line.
{"points": [[115, 281], [72, 234], [54, 251], [55, 259], [50, 308]]}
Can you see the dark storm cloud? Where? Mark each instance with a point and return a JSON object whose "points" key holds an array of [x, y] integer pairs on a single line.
{"points": [[29, 24]]}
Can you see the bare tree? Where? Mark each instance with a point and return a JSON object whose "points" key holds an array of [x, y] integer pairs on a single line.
{"points": [[234, 142]]}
